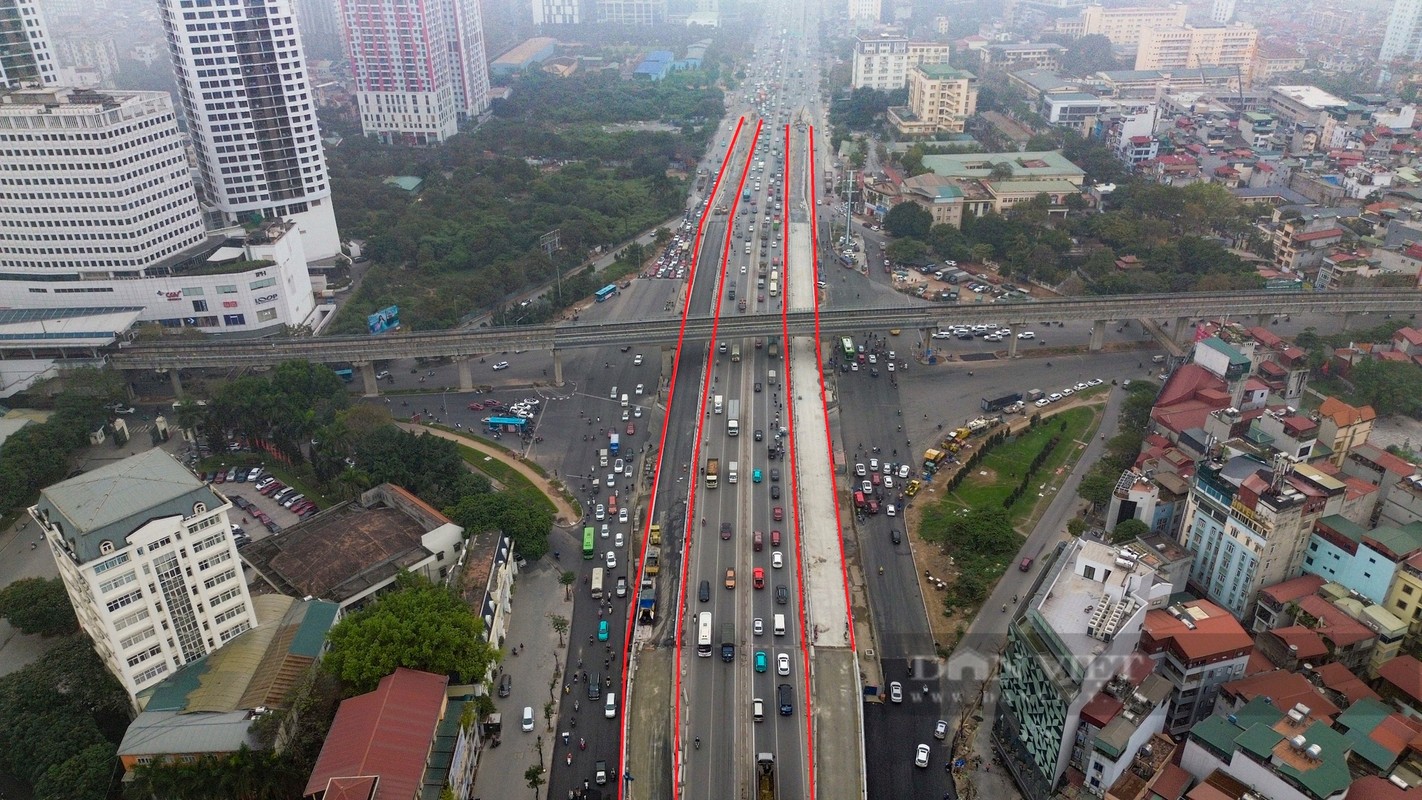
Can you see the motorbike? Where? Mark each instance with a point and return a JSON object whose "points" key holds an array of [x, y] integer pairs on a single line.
{"points": [[582, 743]]}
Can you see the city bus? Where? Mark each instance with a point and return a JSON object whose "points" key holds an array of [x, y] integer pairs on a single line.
{"points": [[746, 196], [774, 289], [606, 292], [846, 345], [589, 543], [776, 224], [703, 634], [597, 583]]}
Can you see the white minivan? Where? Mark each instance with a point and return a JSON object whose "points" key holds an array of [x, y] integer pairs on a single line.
{"points": [[609, 707], [758, 709], [779, 624], [527, 719]]}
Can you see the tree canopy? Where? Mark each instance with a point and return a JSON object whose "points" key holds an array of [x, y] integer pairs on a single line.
{"points": [[38, 605], [908, 219], [418, 626]]}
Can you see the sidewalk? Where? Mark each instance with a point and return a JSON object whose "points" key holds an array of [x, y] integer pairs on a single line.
{"points": [[564, 513], [537, 595]]}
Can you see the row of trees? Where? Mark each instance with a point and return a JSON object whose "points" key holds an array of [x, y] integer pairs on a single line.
{"points": [[1122, 448]]}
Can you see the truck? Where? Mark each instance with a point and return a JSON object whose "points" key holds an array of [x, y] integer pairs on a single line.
{"points": [[647, 604], [728, 641], [614, 444], [713, 472], [765, 776], [597, 578], [655, 536], [654, 560], [999, 403], [733, 473], [736, 352], [733, 418], [770, 377], [932, 458]]}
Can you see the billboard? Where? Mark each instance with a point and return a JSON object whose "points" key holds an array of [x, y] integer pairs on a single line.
{"points": [[386, 319]]}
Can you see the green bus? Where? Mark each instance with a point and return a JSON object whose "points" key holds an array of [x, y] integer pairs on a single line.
{"points": [[589, 542], [847, 345]]}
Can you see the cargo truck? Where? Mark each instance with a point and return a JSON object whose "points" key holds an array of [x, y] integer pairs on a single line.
{"points": [[765, 776], [733, 418], [728, 641], [735, 353], [999, 403], [614, 444], [655, 536], [654, 560], [713, 472], [932, 458]]}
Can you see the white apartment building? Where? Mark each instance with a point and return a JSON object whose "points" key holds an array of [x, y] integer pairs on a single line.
{"points": [[146, 554], [1402, 40], [411, 61], [1123, 26], [865, 10], [631, 12], [882, 61], [557, 12], [251, 114], [1192, 46], [25, 55], [92, 182], [98, 209]]}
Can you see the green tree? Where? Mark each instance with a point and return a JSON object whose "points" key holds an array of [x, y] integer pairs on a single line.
{"points": [[908, 219], [907, 251], [38, 605], [1389, 387], [1097, 485], [567, 578], [420, 626], [1089, 54], [534, 777], [1128, 530], [526, 518], [559, 624], [89, 773]]}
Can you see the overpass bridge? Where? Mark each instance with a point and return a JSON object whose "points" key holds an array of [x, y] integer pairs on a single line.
{"points": [[462, 344]]}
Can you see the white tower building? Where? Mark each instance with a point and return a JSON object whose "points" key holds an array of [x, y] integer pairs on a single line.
{"points": [[25, 55], [243, 84]]}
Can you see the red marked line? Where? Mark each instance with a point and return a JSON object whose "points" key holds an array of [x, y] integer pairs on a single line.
{"points": [[661, 450], [694, 471]]}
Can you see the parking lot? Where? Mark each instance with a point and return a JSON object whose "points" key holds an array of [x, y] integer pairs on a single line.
{"points": [[260, 502]]}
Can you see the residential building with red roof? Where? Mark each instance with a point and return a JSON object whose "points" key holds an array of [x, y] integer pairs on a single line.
{"points": [[386, 744], [1380, 468], [1341, 427], [1152, 776], [1400, 685], [1301, 242], [1197, 646]]}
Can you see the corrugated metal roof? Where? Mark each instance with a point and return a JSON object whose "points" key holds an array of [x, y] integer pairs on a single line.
{"points": [[385, 734]]}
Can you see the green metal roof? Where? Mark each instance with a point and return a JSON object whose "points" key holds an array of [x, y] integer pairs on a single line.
{"points": [[945, 72], [1358, 723], [1259, 740]]}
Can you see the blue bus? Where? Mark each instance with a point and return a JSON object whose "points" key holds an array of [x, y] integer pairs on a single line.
{"points": [[746, 196], [606, 292]]}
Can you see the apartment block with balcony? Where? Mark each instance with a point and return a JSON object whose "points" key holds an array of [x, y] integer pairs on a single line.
{"points": [[1123, 25], [1023, 55], [1118, 722], [1404, 595], [1197, 646], [1248, 525], [882, 61], [1190, 46], [1077, 631], [1360, 558], [941, 99]]}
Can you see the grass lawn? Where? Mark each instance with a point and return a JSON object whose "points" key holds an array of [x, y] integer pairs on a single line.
{"points": [[994, 478], [510, 478]]}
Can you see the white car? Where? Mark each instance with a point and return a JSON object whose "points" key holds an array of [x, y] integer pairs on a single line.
{"points": [[873, 465], [617, 465], [888, 481], [891, 366], [637, 360], [1094, 382], [618, 540], [904, 471], [611, 479], [896, 692], [1079, 387], [942, 335], [920, 758], [622, 517], [637, 412], [1053, 397], [1042, 402], [777, 560], [605, 530], [782, 664], [859, 470], [501, 365], [601, 512], [612, 559], [758, 626], [1068, 392], [1027, 335], [640, 387], [626, 414]]}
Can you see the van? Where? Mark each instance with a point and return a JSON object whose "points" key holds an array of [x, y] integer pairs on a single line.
{"points": [[734, 472], [1026, 564], [784, 694], [1157, 359], [527, 723], [779, 624], [613, 396], [758, 710], [609, 708], [760, 283], [704, 592], [748, 248], [718, 403], [602, 457], [594, 686], [624, 401], [770, 378]]}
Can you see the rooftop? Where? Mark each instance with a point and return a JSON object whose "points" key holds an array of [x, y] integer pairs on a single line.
{"points": [[1310, 97], [339, 554], [1081, 609], [1195, 632], [943, 72], [1026, 166], [109, 503]]}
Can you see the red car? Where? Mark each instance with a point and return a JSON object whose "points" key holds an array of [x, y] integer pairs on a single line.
{"points": [[777, 514], [476, 406], [758, 577], [631, 428]]}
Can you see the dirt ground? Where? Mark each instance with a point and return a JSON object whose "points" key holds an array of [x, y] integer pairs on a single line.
{"points": [[935, 564]]}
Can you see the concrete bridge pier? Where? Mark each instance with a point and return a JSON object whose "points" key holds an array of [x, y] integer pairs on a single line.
{"points": [[1182, 330], [466, 377], [177, 382], [1260, 320], [1098, 335], [1012, 342], [1347, 317], [367, 377], [557, 368]]}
